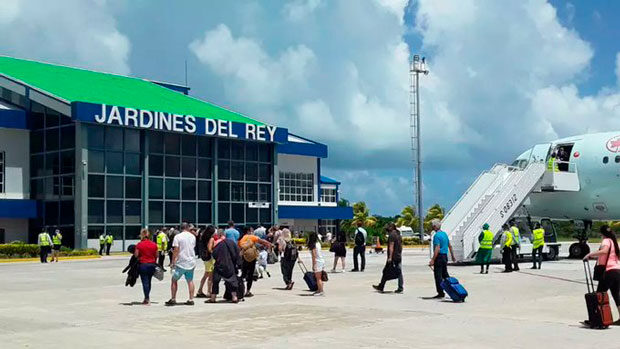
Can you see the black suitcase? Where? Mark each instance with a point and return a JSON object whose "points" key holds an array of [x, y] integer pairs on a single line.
{"points": [[240, 290], [309, 277], [599, 311]]}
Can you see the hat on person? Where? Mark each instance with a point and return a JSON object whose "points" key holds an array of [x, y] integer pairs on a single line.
{"points": [[485, 226]]}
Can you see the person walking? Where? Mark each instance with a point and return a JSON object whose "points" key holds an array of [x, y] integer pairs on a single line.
{"points": [[360, 247], [146, 252], [485, 251], [516, 245], [162, 247], [109, 241], [226, 255], [205, 243], [44, 242], [183, 263], [171, 233], [261, 232], [339, 247], [232, 233], [608, 254], [318, 262], [289, 257], [394, 260], [537, 245], [249, 253], [102, 239], [57, 243], [506, 243], [439, 261]]}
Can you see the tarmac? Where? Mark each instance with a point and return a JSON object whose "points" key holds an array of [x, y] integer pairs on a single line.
{"points": [[84, 304]]}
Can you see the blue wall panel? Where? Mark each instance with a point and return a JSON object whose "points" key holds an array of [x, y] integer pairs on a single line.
{"points": [[18, 208], [315, 212]]}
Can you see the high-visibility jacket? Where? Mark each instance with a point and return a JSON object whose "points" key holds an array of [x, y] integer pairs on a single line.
{"points": [[109, 239], [516, 237], [44, 239], [57, 239], [539, 237], [101, 239], [508, 238], [487, 240], [162, 242], [552, 165]]}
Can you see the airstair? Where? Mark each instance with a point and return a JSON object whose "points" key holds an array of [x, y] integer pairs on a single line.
{"points": [[493, 198]]}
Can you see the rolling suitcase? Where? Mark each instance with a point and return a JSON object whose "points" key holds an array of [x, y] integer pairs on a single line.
{"points": [[599, 311], [454, 289], [309, 277]]}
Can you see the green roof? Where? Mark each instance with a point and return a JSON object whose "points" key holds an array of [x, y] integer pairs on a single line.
{"points": [[80, 85]]}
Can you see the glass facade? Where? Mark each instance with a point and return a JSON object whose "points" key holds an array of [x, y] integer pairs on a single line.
{"points": [[52, 169], [296, 187], [2, 181], [328, 195]]}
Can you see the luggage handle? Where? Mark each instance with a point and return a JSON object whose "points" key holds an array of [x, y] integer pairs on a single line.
{"points": [[302, 266], [589, 279]]}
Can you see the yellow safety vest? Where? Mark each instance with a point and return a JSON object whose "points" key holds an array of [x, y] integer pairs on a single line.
{"points": [[487, 240], [43, 239], [516, 238], [508, 242], [109, 239], [101, 240], [162, 242], [539, 237], [57, 239], [552, 165]]}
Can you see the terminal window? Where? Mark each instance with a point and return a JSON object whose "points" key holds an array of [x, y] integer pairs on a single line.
{"points": [[2, 155], [296, 187], [328, 195]]}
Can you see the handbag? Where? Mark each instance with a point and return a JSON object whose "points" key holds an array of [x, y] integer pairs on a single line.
{"points": [[324, 277], [390, 272], [159, 273], [599, 270]]}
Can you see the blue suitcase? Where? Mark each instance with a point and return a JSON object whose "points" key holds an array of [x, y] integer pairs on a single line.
{"points": [[308, 277], [454, 289]]}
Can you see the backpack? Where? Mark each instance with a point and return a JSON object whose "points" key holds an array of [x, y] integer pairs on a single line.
{"points": [[203, 251], [359, 238], [249, 251], [290, 252]]}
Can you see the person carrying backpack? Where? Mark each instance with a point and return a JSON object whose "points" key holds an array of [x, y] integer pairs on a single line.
{"points": [[249, 253], [289, 257], [360, 247], [205, 254]]}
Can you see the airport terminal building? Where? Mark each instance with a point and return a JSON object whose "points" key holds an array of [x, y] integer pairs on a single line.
{"points": [[89, 152]]}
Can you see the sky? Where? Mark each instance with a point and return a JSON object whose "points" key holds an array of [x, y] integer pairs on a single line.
{"points": [[504, 75]]}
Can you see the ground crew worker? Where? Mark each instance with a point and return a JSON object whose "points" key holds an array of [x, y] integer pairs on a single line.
{"points": [[485, 251], [538, 244], [552, 164], [44, 243], [506, 243], [57, 242], [109, 241], [162, 248], [516, 245], [102, 239]]}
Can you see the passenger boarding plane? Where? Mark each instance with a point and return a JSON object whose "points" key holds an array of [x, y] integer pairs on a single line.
{"points": [[581, 184]]}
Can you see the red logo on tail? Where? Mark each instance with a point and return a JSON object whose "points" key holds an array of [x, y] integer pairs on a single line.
{"points": [[613, 145]]}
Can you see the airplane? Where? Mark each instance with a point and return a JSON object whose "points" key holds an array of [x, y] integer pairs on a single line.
{"points": [[581, 184]]}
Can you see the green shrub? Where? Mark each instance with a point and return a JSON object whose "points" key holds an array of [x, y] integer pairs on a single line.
{"points": [[299, 241], [85, 252], [30, 250]]}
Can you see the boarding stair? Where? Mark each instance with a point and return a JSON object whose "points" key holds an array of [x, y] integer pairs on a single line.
{"points": [[493, 198]]}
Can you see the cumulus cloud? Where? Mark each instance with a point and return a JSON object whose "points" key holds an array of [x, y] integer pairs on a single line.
{"points": [[299, 9], [72, 32]]}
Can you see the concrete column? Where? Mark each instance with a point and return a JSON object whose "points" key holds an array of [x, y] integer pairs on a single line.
{"points": [[145, 179], [275, 185], [214, 191], [80, 194]]}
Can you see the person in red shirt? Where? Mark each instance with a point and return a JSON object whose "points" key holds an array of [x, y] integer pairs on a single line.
{"points": [[146, 252]]}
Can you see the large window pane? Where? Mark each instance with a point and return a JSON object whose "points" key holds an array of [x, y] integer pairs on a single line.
{"points": [[251, 192], [52, 164], [172, 166], [223, 212], [188, 167], [204, 190], [51, 213], [67, 212], [172, 213], [114, 186], [133, 187], [95, 161], [52, 118], [133, 164], [132, 232], [223, 169], [172, 189], [156, 142], [236, 192], [204, 168], [114, 211], [188, 212], [156, 212], [133, 211], [223, 149], [236, 170], [67, 186], [172, 142], [265, 216], [95, 211], [251, 171], [132, 140], [264, 173], [67, 137], [156, 188], [67, 162], [251, 215], [116, 231], [204, 213], [36, 165], [114, 138], [223, 193], [114, 162], [36, 141], [264, 152], [204, 147], [51, 139], [251, 151], [156, 165], [188, 145], [236, 151], [238, 212], [37, 116], [95, 186], [95, 136], [264, 194], [189, 190], [94, 232]]}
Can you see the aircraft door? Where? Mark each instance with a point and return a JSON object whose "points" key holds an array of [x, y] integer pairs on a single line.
{"points": [[550, 233], [539, 152]]}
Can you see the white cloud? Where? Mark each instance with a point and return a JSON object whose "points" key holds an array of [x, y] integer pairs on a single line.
{"points": [[298, 10], [72, 32]]}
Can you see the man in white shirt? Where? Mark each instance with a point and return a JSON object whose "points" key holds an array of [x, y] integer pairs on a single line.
{"points": [[261, 232], [183, 263]]}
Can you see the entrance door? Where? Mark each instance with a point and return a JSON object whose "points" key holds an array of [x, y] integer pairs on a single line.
{"points": [[539, 152]]}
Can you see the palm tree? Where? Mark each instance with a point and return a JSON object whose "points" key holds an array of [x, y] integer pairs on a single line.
{"points": [[408, 218], [361, 213], [435, 212]]}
